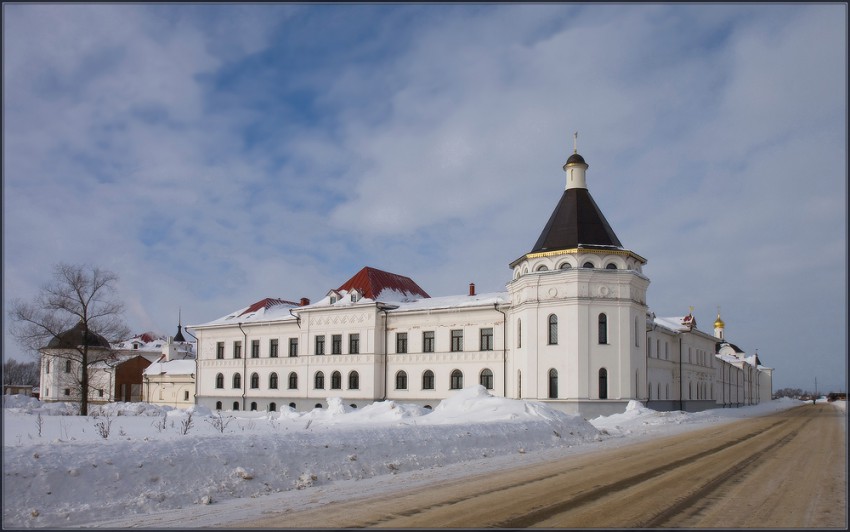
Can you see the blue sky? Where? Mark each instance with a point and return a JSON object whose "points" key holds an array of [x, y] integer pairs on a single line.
{"points": [[213, 155]]}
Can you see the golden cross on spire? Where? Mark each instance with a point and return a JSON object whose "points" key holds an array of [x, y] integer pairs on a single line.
{"points": [[690, 310], [575, 142]]}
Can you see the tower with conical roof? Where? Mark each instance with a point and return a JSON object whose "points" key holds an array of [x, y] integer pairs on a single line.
{"points": [[578, 306]]}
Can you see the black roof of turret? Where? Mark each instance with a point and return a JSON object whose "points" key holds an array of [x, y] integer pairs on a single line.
{"points": [[576, 222], [73, 338], [179, 336]]}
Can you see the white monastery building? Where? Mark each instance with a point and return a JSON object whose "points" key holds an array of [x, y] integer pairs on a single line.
{"points": [[572, 330]]}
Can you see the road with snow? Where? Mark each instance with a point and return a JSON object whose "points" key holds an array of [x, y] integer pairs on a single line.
{"points": [[783, 470]]}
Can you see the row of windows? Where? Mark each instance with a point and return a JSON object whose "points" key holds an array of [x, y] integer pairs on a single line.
{"points": [[567, 266], [485, 378], [292, 381], [485, 344], [702, 390], [67, 366], [255, 348], [552, 335], [553, 383]]}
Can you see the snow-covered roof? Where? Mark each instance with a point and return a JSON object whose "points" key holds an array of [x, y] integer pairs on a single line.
{"points": [[172, 367], [676, 323], [461, 301], [268, 309], [147, 341]]}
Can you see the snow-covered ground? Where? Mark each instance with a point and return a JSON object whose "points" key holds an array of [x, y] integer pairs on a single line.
{"points": [[133, 464]]}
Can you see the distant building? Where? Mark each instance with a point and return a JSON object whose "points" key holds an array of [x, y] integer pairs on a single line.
{"points": [[171, 379], [117, 374], [572, 330]]}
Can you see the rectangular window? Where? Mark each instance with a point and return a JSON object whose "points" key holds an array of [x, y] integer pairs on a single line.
{"points": [[100, 393], [320, 344], [255, 349], [273, 348], [401, 342], [293, 347], [237, 349], [457, 340], [67, 366], [67, 391], [487, 339], [354, 344], [336, 344], [428, 342], [219, 350]]}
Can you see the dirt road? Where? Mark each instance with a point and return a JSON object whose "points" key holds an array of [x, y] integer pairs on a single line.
{"points": [[784, 470]]}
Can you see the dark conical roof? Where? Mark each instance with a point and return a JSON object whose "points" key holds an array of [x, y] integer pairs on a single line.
{"points": [[73, 338], [179, 336], [576, 222]]}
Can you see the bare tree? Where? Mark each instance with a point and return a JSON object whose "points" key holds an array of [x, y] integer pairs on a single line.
{"points": [[76, 317], [15, 372]]}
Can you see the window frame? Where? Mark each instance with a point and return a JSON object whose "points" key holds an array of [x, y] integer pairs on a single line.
{"points": [[552, 330], [456, 340], [427, 341], [428, 380], [401, 380], [456, 380], [401, 343], [486, 339]]}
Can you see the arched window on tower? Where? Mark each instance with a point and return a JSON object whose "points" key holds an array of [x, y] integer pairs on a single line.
{"points": [[603, 383], [553, 329], [603, 328], [553, 383]]}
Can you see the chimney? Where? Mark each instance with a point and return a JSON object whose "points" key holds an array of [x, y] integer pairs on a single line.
{"points": [[472, 289], [304, 301]]}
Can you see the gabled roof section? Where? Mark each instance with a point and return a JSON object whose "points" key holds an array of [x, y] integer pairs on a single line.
{"points": [[576, 222], [371, 283], [266, 304]]}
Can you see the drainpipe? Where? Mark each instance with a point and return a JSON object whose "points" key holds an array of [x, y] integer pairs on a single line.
{"points": [[197, 355], [504, 350], [681, 403], [386, 335], [244, 364]]}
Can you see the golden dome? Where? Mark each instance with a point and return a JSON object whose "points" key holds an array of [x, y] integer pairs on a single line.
{"points": [[718, 323]]}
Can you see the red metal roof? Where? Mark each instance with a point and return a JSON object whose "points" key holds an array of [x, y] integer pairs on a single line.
{"points": [[267, 303], [370, 282]]}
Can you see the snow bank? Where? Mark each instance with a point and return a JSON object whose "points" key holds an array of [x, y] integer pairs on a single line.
{"points": [[134, 459]]}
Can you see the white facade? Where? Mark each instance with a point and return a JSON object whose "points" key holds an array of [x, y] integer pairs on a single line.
{"points": [[572, 329]]}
